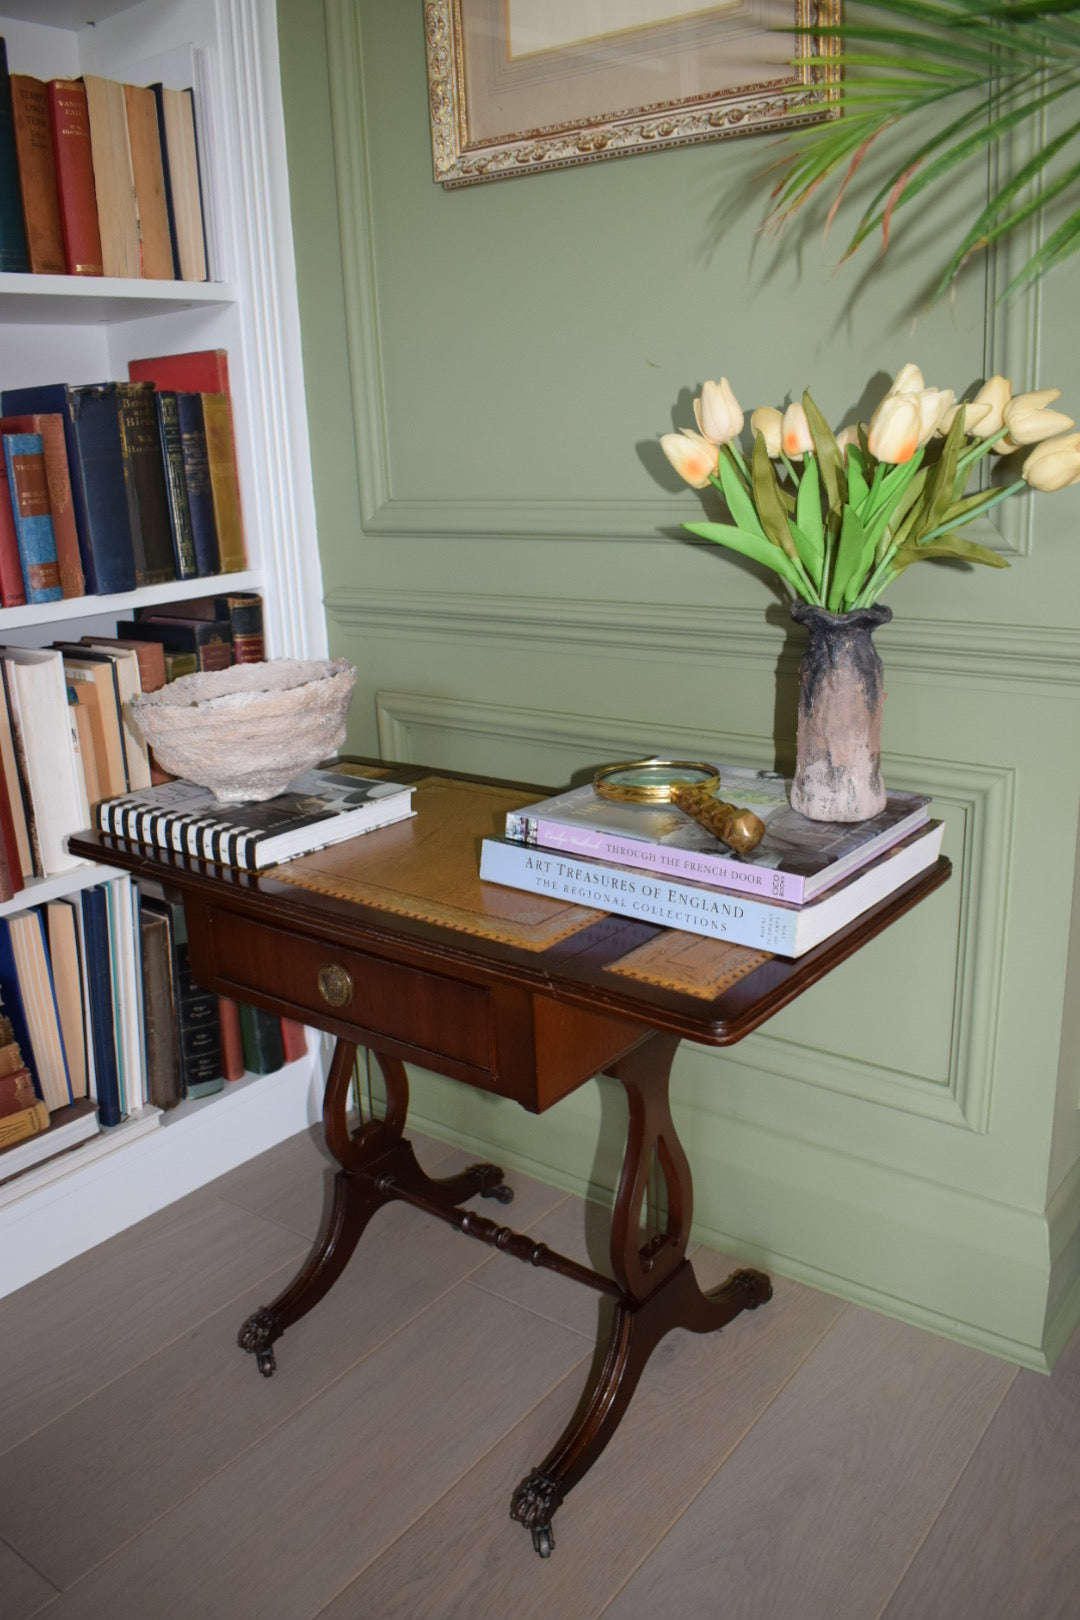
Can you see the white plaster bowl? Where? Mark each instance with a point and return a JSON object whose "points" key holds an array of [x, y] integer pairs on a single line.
{"points": [[246, 731]]}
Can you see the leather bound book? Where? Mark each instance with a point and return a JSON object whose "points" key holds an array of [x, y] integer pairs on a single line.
{"points": [[185, 561], [293, 1039], [16, 1089], [10, 1057], [70, 125], [92, 434], [224, 483], [144, 482], [25, 457], [232, 1042], [12, 587], [144, 140], [13, 255], [189, 410], [244, 612], [209, 639], [14, 1128], [260, 1032], [61, 500], [114, 183], [11, 873], [37, 175]]}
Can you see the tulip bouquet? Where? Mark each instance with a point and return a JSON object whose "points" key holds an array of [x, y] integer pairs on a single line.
{"points": [[840, 516]]}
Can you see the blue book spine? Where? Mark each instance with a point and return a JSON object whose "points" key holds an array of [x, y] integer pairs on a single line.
{"points": [[13, 253], [12, 1001], [197, 478], [25, 458], [95, 909], [159, 102]]}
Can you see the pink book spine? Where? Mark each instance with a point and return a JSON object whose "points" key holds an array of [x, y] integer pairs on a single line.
{"points": [[691, 865]]}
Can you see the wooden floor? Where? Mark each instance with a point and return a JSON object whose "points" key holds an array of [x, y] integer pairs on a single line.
{"points": [[813, 1462]]}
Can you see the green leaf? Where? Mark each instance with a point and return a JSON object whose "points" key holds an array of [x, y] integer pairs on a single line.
{"points": [[752, 546], [852, 556], [947, 545], [738, 499], [770, 509], [808, 528], [858, 488], [829, 455]]}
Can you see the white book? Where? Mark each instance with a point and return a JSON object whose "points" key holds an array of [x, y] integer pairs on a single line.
{"points": [[784, 930], [37, 694]]}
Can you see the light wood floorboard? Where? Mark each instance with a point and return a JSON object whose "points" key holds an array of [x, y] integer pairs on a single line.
{"points": [[812, 1462]]}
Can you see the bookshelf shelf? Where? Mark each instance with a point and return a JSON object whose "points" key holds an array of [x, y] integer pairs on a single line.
{"points": [[86, 330], [99, 300]]}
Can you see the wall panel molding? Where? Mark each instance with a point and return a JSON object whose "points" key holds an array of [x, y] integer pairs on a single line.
{"points": [[929, 649]]}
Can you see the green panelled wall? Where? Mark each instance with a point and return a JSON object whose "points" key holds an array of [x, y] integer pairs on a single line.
{"points": [[487, 374]]}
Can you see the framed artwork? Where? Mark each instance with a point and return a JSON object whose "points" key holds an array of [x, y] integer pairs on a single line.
{"points": [[519, 86]]}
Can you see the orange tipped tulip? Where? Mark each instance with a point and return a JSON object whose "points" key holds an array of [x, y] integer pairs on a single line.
{"points": [[692, 457], [895, 428]]}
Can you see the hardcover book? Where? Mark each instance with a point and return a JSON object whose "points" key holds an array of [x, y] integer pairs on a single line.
{"points": [[12, 586], [26, 981], [13, 254], [319, 808], [70, 124], [198, 1023], [114, 183], [783, 930], [185, 562], [50, 1135], [95, 910], [145, 485], [189, 412], [161, 1009], [208, 639], [24, 455], [92, 434], [16, 1086], [38, 706], [176, 124], [37, 175], [61, 501], [224, 482], [795, 860], [148, 178], [261, 1039]]}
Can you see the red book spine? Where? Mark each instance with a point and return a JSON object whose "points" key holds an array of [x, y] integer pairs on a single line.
{"points": [[16, 1092], [232, 1045], [75, 177], [12, 585], [293, 1039], [11, 877], [37, 175]]}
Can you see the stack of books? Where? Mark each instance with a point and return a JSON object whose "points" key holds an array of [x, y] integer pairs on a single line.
{"points": [[317, 809], [803, 882], [109, 487]]}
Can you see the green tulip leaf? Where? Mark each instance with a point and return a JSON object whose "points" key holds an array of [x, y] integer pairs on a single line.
{"points": [[738, 499], [753, 546], [770, 508], [852, 557], [947, 545], [829, 455]]}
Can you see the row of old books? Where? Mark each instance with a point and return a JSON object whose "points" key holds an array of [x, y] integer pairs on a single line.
{"points": [[802, 883], [113, 486], [103, 1022], [66, 740], [99, 178]]}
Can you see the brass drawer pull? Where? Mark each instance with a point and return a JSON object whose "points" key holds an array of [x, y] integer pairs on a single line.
{"points": [[335, 985]]}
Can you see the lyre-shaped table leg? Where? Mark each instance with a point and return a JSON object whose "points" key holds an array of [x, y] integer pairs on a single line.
{"points": [[659, 1289], [376, 1163]]}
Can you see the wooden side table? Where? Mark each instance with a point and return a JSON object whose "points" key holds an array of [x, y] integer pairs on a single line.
{"points": [[391, 942]]}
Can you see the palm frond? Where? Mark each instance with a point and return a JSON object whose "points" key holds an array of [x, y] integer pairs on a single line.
{"points": [[986, 74]]}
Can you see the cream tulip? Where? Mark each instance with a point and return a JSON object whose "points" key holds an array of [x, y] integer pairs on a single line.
{"points": [[718, 413], [996, 392], [1054, 463], [849, 436], [768, 421], [692, 457], [1029, 421], [795, 435], [933, 404], [973, 415], [908, 380], [895, 428]]}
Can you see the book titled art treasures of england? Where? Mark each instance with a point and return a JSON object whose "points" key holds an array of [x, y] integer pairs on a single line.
{"points": [[795, 860], [319, 808], [694, 908]]}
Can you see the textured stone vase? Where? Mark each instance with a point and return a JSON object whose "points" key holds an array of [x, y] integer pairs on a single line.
{"points": [[838, 748]]}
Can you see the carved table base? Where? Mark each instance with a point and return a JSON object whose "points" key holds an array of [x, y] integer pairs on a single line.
{"points": [[654, 1286]]}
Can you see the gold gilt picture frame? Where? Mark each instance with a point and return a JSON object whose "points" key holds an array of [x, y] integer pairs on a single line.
{"points": [[522, 86]]}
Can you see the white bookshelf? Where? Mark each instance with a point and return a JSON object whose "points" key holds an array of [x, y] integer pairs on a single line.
{"points": [[85, 330]]}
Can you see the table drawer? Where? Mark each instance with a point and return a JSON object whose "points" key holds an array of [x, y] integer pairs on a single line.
{"points": [[337, 986]]}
